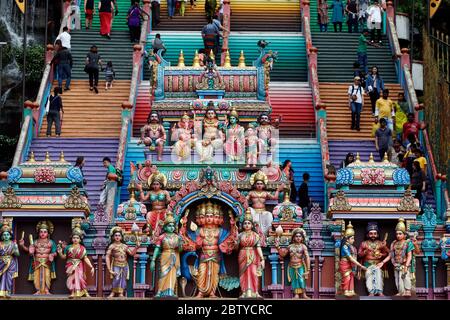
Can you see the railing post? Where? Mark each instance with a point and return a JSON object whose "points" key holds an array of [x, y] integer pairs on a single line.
{"points": [[390, 10]]}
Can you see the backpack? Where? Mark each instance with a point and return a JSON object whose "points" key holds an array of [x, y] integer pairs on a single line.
{"points": [[119, 174]]}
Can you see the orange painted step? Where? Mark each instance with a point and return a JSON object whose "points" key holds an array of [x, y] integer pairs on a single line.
{"points": [[335, 96], [91, 115]]}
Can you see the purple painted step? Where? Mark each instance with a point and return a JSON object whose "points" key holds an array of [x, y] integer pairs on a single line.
{"points": [[93, 150], [339, 148]]}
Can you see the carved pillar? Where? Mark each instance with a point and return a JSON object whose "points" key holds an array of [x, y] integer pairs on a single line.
{"points": [[316, 245], [434, 262], [274, 264]]}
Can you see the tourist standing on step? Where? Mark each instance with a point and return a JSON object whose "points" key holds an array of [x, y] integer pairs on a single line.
{"points": [[54, 113], [363, 5], [362, 50], [158, 44], [193, 4], [304, 201], [349, 158], [411, 127], [289, 172], [110, 74], [338, 14], [79, 163], [374, 22], [352, 16], [356, 101], [171, 8], [65, 38], [93, 64], [135, 13], [156, 11], [74, 20], [105, 10], [323, 15], [64, 60], [111, 177], [89, 11], [418, 182], [384, 108], [374, 86], [383, 138], [210, 32]]}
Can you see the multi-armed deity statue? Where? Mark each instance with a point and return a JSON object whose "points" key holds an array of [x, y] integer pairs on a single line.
{"points": [[9, 252], [153, 134], [42, 257], [258, 197], [212, 241]]}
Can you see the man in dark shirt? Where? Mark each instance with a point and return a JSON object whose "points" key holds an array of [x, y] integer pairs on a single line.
{"points": [[303, 195], [54, 113], [64, 59], [383, 138]]}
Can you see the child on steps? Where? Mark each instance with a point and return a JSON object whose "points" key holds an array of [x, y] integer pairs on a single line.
{"points": [[110, 74]]}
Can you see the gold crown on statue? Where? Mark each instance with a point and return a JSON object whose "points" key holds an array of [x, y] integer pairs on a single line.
{"points": [[349, 231], [77, 232], [5, 228], [45, 225], [401, 225], [258, 176], [248, 215], [169, 218], [185, 116], [209, 208], [115, 230], [234, 113], [158, 177]]}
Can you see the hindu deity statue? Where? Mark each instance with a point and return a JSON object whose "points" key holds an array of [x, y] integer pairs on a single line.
{"points": [[42, 252], [9, 252], [372, 252], [402, 257], [116, 261], [299, 263], [211, 138], [153, 134], [182, 133], [250, 259], [235, 138], [211, 240], [159, 199], [258, 197], [168, 247], [77, 260], [267, 133], [251, 139], [347, 262]]}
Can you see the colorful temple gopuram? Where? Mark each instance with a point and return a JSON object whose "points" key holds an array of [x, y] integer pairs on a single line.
{"points": [[171, 183]]}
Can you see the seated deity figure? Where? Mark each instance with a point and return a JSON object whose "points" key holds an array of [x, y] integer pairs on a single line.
{"points": [[251, 138], [258, 197], [182, 133], [42, 253], [153, 134], [235, 138], [211, 139], [267, 133]]}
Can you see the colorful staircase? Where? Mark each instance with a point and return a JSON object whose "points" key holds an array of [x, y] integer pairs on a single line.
{"points": [[119, 50], [87, 114], [194, 19], [135, 153], [305, 156], [293, 102], [93, 150], [142, 107], [337, 53], [119, 21], [265, 15], [339, 148], [335, 96]]}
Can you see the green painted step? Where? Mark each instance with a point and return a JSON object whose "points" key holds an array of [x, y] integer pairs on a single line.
{"points": [[119, 50], [119, 21], [291, 64], [337, 53]]}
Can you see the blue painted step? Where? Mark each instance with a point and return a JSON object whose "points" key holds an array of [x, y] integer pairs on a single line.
{"points": [[339, 148], [135, 153], [306, 157]]}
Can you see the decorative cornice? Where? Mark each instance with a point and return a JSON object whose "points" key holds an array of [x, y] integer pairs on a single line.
{"points": [[76, 201], [407, 203], [10, 200], [340, 202]]}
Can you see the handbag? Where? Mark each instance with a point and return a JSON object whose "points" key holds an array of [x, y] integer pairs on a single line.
{"points": [[86, 69]]}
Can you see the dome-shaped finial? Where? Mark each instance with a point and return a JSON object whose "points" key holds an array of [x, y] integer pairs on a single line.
{"points": [[31, 159], [196, 61], [227, 63], [61, 157], [371, 158], [242, 60], [47, 157], [181, 60]]}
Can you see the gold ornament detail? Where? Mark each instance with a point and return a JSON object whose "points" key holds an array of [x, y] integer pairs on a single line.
{"points": [[181, 60], [47, 157], [61, 157], [75, 200], [157, 177], [10, 200], [401, 226], [45, 225], [242, 60], [31, 159], [340, 202], [258, 176], [349, 231], [407, 203], [227, 63], [196, 61]]}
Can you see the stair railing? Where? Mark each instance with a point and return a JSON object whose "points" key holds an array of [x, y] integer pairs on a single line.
{"points": [[129, 106], [35, 111], [321, 114], [402, 62], [226, 25]]}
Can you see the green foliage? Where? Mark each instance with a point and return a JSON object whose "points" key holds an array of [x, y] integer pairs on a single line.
{"points": [[35, 61], [7, 148]]}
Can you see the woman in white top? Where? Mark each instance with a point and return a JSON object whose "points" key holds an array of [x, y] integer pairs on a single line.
{"points": [[356, 100]]}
